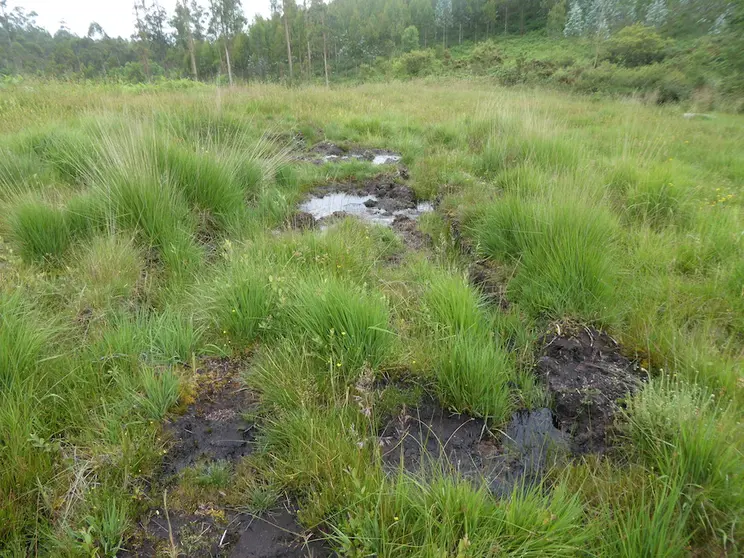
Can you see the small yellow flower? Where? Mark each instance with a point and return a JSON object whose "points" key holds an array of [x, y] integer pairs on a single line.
{"points": [[396, 518], [338, 365]]}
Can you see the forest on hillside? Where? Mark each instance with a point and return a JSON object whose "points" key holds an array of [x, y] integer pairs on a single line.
{"points": [[319, 40]]}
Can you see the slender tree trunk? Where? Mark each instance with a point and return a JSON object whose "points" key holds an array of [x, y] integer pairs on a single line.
{"points": [[289, 45], [192, 52], [229, 67], [521, 18], [325, 53], [146, 63], [460, 40], [309, 61], [506, 19]]}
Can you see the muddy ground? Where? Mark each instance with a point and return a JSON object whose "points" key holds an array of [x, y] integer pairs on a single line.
{"points": [[214, 428], [430, 435], [327, 152], [383, 200], [588, 378], [222, 533]]}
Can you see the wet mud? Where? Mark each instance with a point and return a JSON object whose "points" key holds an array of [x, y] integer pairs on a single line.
{"points": [[327, 152], [214, 428], [380, 200], [430, 436], [485, 277], [588, 378], [216, 533]]}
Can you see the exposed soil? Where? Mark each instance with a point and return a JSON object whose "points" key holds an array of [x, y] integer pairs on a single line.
{"points": [[301, 221], [588, 377], [412, 236], [487, 279], [428, 435], [213, 428], [211, 532]]}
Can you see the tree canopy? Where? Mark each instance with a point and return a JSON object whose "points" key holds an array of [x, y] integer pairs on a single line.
{"points": [[308, 38]]}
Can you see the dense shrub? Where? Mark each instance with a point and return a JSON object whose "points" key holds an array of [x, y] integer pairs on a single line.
{"points": [[416, 63], [485, 56], [636, 45]]}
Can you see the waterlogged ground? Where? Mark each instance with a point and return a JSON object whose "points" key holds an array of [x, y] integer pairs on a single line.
{"points": [[399, 320]]}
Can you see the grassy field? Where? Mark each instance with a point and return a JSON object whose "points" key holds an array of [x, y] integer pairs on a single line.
{"points": [[144, 233]]}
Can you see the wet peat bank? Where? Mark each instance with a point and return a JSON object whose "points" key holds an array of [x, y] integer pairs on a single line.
{"points": [[213, 430], [586, 376]]}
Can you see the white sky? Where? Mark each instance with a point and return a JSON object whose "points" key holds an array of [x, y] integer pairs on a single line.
{"points": [[115, 16]]}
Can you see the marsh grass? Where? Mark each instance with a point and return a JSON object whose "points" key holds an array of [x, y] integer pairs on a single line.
{"points": [[348, 325], [564, 254], [141, 232], [40, 231]]}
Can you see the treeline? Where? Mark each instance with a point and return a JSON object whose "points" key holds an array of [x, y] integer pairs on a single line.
{"points": [[317, 40]]}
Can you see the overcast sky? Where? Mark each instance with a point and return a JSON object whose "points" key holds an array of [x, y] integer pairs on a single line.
{"points": [[115, 16]]}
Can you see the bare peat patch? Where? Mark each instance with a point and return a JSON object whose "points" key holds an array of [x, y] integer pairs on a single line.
{"points": [[430, 435], [216, 533], [213, 429], [588, 378]]}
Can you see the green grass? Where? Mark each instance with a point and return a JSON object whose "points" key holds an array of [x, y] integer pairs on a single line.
{"points": [[564, 253], [40, 232], [141, 233], [473, 374], [348, 326]]}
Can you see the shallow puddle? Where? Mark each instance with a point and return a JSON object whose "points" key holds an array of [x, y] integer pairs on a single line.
{"points": [[326, 152], [367, 207]]}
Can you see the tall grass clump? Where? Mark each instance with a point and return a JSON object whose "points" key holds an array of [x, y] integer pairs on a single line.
{"points": [[107, 271], [453, 304], [658, 200], [22, 340], [348, 325], [473, 375], [685, 434], [87, 213], [21, 173], [71, 153], [653, 524], [242, 304], [565, 254], [502, 152], [40, 231], [160, 392], [205, 183]]}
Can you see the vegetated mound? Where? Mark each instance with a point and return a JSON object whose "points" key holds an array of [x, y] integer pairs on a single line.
{"points": [[588, 377], [430, 436], [214, 432], [380, 200]]}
